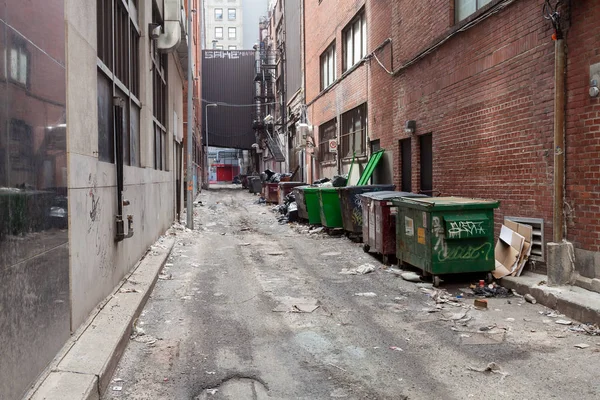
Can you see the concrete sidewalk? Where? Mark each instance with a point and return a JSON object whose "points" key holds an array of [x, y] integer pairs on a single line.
{"points": [[83, 368], [574, 302]]}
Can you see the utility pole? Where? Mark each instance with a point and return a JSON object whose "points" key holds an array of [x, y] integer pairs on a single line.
{"points": [[190, 120]]}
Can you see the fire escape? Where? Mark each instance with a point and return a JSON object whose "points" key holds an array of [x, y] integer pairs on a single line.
{"points": [[264, 99]]}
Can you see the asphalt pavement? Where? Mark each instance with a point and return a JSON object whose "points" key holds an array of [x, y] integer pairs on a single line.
{"points": [[247, 308]]}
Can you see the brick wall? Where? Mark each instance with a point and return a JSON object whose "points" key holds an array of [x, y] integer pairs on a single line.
{"points": [[324, 23], [486, 95], [583, 128]]}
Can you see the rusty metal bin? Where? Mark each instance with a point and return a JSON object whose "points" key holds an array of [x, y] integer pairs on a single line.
{"points": [[301, 202], [379, 222], [351, 205], [270, 191], [254, 184], [286, 188]]}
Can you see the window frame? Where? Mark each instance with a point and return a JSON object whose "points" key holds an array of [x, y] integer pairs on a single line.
{"points": [[328, 66], [217, 36], [232, 47], [19, 45], [479, 4], [229, 10], [118, 60], [229, 30], [349, 36], [216, 14], [327, 132], [350, 136]]}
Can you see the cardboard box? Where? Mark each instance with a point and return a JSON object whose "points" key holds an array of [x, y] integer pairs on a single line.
{"points": [[508, 252]]}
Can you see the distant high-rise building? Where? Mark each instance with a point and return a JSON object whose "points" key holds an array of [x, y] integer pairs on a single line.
{"points": [[223, 29], [232, 24]]}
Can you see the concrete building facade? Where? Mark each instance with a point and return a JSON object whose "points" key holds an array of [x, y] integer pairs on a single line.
{"points": [[92, 122], [224, 24]]}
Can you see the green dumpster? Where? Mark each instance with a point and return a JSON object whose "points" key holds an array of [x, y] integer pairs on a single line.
{"points": [[331, 212], [446, 235], [313, 207]]}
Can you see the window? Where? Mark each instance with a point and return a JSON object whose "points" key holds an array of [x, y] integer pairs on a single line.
{"points": [[464, 8], [20, 145], [425, 147], [406, 165], [355, 41], [231, 33], [118, 38], [328, 67], [159, 110], [19, 61], [327, 132], [232, 47], [218, 14], [219, 47], [354, 132], [219, 32], [232, 14]]}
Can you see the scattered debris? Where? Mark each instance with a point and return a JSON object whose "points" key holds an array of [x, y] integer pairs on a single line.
{"points": [[395, 271], [117, 388], [212, 391], [340, 368], [165, 277], [275, 253], [367, 294], [331, 254], [590, 329], [582, 346], [245, 244], [210, 372], [491, 367], [297, 305], [563, 322], [492, 290], [411, 277], [360, 270], [395, 348], [481, 303], [128, 290], [530, 299]]}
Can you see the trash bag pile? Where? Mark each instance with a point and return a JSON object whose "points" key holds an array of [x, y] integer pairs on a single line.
{"points": [[273, 177], [288, 210], [337, 181]]}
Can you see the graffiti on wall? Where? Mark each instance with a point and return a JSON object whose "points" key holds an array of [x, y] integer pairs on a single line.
{"points": [[465, 229], [443, 252]]}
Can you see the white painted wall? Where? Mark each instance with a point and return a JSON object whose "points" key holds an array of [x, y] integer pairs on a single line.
{"points": [[97, 263], [211, 23]]}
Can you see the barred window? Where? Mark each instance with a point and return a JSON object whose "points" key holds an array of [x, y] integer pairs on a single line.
{"points": [[118, 36], [327, 132], [354, 132]]}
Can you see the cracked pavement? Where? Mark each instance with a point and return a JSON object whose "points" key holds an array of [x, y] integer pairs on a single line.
{"points": [[210, 332]]}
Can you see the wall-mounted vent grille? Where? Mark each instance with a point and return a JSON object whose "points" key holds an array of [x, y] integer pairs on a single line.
{"points": [[537, 247]]}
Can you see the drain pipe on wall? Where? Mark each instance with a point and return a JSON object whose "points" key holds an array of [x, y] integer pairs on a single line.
{"points": [[559, 141], [560, 253]]}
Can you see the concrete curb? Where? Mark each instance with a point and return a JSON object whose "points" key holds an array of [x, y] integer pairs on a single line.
{"points": [[574, 302], [83, 369]]}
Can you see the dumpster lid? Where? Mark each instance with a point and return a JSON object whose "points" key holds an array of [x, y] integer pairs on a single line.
{"points": [[292, 183], [386, 195], [452, 202]]}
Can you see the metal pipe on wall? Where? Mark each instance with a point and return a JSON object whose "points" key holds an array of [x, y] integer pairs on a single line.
{"points": [[190, 120], [559, 141]]}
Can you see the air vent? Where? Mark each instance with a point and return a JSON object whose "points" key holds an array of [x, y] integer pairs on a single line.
{"points": [[537, 247]]}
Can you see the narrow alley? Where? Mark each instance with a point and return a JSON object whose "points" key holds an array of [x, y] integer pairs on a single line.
{"points": [[233, 316]]}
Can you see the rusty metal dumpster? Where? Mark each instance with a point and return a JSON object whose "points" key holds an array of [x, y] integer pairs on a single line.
{"points": [[351, 205], [379, 222], [446, 235], [270, 192], [301, 202], [286, 188]]}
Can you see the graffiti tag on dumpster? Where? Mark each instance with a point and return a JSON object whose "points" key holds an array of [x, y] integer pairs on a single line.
{"points": [[465, 229], [456, 252]]}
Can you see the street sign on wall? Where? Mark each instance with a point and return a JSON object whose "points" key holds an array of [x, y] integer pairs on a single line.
{"points": [[333, 146]]}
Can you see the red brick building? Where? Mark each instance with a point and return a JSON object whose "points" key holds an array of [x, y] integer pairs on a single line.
{"points": [[477, 80]]}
